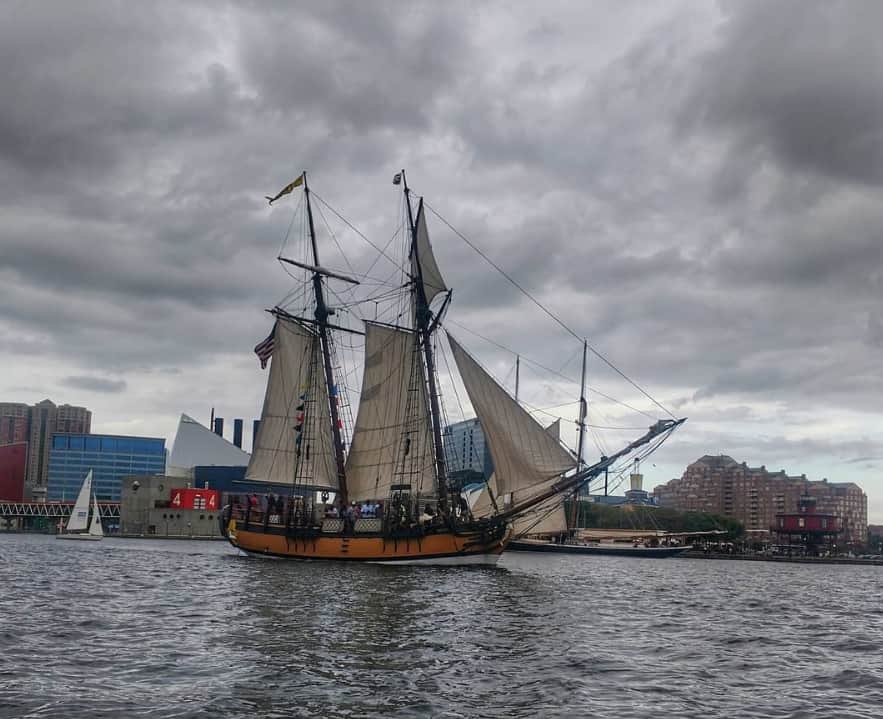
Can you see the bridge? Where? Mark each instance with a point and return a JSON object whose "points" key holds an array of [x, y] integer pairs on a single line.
{"points": [[40, 513], [56, 510]]}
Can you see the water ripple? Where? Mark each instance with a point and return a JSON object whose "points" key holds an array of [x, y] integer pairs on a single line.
{"points": [[186, 629]]}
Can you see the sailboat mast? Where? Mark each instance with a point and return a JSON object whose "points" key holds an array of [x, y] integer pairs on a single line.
{"points": [[322, 323], [517, 368], [583, 411], [423, 319]]}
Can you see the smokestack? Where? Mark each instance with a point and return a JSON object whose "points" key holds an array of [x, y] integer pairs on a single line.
{"points": [[219, 426], [237, 433], [255, 425]]}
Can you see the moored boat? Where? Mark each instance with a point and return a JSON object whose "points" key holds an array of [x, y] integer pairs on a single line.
{"points": [[618, 549]]}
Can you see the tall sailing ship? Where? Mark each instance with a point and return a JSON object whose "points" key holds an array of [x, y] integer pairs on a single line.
{"points": [[384, 495]]}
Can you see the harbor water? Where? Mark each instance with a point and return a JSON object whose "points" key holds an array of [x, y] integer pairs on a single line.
{"points": [[153, 628]]}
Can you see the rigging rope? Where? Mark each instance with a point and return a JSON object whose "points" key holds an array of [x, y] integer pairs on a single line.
{"points": [[547, 311]]}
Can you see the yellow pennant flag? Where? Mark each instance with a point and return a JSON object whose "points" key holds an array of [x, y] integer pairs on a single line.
{"points": [[287, 189]]}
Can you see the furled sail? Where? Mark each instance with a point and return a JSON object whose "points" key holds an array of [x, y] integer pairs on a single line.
{"points": [[293, 443], [433, 283], [392, 439], [526, 457], [79, 518]]}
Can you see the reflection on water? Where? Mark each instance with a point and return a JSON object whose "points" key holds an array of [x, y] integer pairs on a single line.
{"points": [[149, 628]]}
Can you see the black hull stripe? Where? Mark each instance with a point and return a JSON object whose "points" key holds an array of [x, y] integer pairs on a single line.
{"points": [[410, 558]]}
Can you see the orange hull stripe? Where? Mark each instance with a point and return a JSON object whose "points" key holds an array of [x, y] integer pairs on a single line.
{"points": [[356, 548]]}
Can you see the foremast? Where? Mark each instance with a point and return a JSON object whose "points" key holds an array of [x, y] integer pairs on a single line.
{"points": [[425, 325], [321, 314]]}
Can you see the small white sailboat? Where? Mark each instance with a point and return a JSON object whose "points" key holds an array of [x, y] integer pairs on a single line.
{"points": [[79, 524]]}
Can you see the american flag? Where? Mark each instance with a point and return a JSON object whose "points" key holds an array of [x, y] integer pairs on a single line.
{"points": [[264, 349]]}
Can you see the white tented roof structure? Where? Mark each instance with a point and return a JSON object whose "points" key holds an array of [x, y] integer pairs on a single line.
{"points": [[197, 446]]}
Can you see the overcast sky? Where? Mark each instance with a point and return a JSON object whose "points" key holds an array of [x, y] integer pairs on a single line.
{"points": [[693, 187]]}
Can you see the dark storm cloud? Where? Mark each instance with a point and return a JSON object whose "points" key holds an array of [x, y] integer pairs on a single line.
{"points": [[343, 62], [801, 81], [95, 384], [696, 197]]}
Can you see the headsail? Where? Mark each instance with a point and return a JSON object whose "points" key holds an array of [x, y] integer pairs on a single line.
{"points": [[433, 282], [526, 457], [79, 518], [296, 397], [95, 528], [392, 439]]}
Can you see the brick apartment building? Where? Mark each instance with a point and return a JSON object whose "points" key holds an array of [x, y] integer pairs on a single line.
{"points": [[754, 495]]}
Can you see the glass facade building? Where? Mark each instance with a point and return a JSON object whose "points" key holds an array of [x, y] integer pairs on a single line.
{"points": [[110, 457], [465, 448]]}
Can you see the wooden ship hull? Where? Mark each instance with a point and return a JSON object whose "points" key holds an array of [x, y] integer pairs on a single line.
{"points": [[469, 545]]}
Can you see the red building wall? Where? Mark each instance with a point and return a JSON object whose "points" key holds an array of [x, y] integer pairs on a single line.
{"points": [[13, 461], [194, 499], [810, 523]]}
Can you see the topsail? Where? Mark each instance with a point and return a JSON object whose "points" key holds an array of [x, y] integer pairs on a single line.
{"points": [[433, 282]]}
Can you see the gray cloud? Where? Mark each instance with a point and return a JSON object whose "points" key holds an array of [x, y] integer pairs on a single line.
{"points": [[95, 384], [692, 189], [798, 80]]}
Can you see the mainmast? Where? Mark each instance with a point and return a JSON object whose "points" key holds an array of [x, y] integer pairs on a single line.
{"points": [[423, 318], [321, 315]]}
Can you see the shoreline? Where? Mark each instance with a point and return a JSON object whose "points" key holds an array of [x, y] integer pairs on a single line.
{"points": [[778, 558]]}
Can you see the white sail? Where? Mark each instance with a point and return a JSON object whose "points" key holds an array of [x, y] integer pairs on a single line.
{"points": [[296, 396], [481, 504], [554, 429], [95, 528], [546, 518], [525, 455], [79, 518], [392, 440], [433, 282]]}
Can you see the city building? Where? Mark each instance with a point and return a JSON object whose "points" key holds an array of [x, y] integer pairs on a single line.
{"points": [[110, 457], [36, 425], [159, 505], [13, 460], [231, 480], [807, 531], [196, 445], [13, 422], [466, 453], [754, 496]]}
